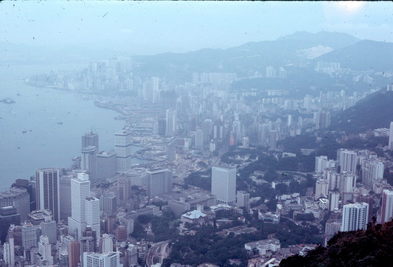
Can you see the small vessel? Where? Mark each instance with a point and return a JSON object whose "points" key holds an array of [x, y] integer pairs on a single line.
{"points": [[7, 100], [24, 131], [60, 123]]}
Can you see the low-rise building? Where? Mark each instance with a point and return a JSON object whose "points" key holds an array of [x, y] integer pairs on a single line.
{"points": [[194, 217], [262, 246]]}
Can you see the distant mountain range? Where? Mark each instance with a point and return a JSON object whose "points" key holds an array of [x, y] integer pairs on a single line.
{"points": [[373, 247], [301, 49], [298, 48], [374, 111], [298, 53], [254, 56]]}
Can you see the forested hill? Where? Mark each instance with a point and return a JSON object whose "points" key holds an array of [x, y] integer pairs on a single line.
{"points": [[373, 247], [374, 111], [363, 55]]}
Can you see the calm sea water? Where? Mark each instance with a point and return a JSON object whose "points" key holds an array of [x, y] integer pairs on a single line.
{"points": [[38, 111]]}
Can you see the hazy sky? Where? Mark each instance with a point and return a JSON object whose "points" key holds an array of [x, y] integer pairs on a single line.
{"points": [[152, 27]]}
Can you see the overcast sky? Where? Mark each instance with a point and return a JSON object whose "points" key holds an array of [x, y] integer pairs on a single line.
{"points": [[153, 27]]}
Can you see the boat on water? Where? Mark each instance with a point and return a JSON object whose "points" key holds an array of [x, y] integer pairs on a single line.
{"points": [[120, 118], [60, 123], [101, 104], [7, 100]]}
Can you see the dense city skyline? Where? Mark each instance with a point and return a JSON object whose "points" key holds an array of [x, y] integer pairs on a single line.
{"points": [[275, 151]]}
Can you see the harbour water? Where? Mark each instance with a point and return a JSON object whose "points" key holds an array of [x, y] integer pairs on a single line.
{"points": [[43, 128]]}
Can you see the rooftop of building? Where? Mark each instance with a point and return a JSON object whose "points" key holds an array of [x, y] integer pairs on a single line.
{"points": [[356, 205], [89, 149], [13, 192], [9, 210], [263, 242], [38, 215], [155, 171], [106, 154], [194, 215], [123, 133], [48, 170], [224, 167]]}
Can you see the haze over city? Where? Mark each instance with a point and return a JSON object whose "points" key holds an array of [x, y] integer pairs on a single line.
{"points": [[157, 27], [163, 133]]}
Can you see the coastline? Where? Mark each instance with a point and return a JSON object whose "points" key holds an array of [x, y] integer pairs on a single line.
{"points": [[56, 122], [102, 104]]}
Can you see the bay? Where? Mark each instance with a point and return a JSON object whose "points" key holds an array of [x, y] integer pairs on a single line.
{"points": [[43, 128]]}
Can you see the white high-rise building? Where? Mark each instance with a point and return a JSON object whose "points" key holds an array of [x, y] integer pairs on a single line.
{"points": [[45, 250], [132, 255], [159, 182], [48, 191], [170, 122], [224, 184], [322, 163], [387, 206], [333, 178], [347, 160], [355, 217], [270, 72], [9, 252], [391, 136], [65, 196], [91, 259], [92, 210], [107, 243], [243, 199], [106, 165], [108, 203], [123, 145], [372, 171], [199, 139], [80, 190], [89, 161], [187, 144], [90, 139], [212, 146], [49, 229], [347, 182], [155, 82], [321, 188], [334, 198], [29, 236], [322, 119]]}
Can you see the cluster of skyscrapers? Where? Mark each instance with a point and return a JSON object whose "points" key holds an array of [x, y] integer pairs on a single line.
{"points": [[84, 216], [346, 182]]}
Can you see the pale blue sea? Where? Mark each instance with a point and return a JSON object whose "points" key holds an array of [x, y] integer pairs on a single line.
{"points": [[38, 111]]}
